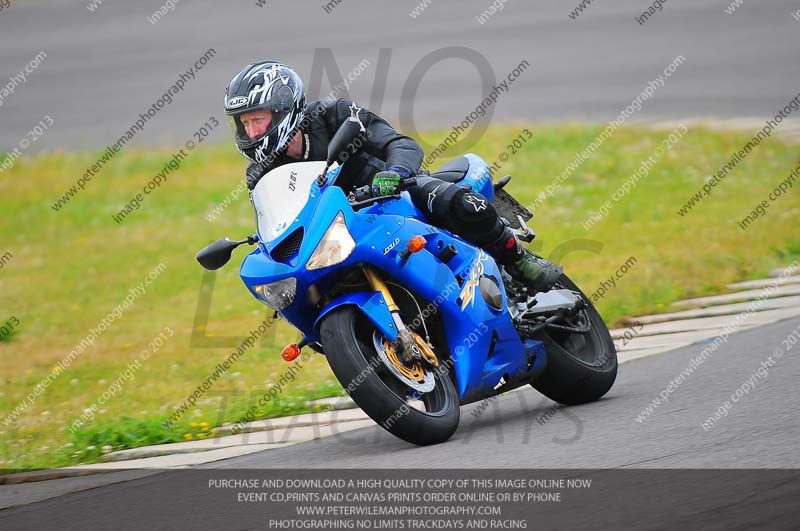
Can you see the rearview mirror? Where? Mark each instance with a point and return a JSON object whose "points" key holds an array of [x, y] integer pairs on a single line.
{"points": [[217, 254], [341, 141]]}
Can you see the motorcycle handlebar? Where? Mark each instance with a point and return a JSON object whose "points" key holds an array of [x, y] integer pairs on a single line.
{"points": [[363, 193], [408, 182]]}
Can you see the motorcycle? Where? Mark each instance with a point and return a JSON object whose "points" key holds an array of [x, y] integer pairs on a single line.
{"points": [[413, 320]]}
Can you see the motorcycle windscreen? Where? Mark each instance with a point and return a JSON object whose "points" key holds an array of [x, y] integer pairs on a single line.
{"points": [[281, 194]]}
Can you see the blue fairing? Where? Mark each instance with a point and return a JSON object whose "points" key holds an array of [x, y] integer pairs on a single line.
{"points": [[478, 176], [372, 304], [381, 232]]}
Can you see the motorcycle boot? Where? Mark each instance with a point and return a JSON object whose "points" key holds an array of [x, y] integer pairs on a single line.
{"points": [[524, 266]]}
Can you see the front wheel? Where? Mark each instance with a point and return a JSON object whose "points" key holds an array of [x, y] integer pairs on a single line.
{"points": [[581, 367], [401, 405]]}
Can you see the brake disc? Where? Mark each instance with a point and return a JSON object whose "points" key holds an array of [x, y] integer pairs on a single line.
{"points": [[416, 377]]}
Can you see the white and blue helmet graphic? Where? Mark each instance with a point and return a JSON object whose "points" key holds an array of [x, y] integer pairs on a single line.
{"points": [[271, 86]]}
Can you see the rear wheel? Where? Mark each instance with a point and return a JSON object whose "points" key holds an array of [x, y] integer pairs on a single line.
{"points": [[400, 403], [581, 367]]}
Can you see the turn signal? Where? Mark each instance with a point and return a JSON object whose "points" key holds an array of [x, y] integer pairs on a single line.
{"points": [[416, 244], [290, 352]]}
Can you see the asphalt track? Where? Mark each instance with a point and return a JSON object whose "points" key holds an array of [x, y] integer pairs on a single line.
{"points": [[761, 430], [104, 68], [515, 431]]}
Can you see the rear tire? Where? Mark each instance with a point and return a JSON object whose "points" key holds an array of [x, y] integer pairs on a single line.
{"points": [[385, 398], [580, 367]]}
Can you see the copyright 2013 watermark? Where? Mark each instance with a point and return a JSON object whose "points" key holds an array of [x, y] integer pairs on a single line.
{"points": [[31, 137], [8, 328]]}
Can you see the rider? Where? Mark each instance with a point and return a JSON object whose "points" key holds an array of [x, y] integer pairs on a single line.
{"points": [[273, 126]]}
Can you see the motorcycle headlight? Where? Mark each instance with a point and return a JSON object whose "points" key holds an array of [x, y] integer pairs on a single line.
{"points": [[277, 295], [335, 247]]}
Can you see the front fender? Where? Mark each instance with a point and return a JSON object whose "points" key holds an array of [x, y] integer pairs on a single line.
{"points": [[373, 305]]}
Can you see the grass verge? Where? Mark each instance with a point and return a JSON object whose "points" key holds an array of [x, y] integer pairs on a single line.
{"points": [[73, 267]]}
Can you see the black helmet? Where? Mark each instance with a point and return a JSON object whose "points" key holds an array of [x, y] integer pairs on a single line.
{"points": [[271, 86]]}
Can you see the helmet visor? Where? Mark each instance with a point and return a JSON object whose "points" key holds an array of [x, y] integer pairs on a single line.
{"points": [[252, 126]]}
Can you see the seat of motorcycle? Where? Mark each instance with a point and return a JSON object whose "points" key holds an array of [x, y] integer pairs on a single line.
{"points": [[453, 171]]}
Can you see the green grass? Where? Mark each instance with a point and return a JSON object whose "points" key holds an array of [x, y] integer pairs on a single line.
{"points": [[70, 269]]}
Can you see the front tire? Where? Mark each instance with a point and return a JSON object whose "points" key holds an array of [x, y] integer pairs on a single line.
{"points": [[347, 339], [580, 367]]}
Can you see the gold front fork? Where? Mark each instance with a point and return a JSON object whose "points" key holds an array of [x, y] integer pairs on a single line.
{"points": [[410, 343], [377, 283]]}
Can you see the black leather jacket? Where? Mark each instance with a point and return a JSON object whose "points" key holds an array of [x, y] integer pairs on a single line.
{"points": [[383, 147]]}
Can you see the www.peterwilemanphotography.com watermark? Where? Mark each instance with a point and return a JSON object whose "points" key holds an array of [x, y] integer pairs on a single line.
{"points": [[86, 343], [22, 77], [138, 126], [172, 165], [5, 258]]}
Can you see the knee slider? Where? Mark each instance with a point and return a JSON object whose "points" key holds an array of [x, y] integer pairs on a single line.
{"points": [[475, 216], [471, 207]]}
